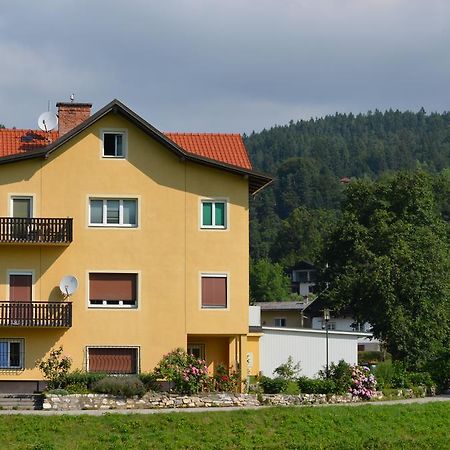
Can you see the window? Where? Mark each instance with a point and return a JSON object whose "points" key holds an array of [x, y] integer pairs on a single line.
{"points": [[280, 322], [113, 290], [196, 350], [114, 144], [214, 214], [331, 325], [214, 291], [11, 354], [113, 212], [117, 360]]}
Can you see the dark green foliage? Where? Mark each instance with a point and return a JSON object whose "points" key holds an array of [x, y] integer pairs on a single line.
{"points": [[149, 379], [439, 368], [123, 386], [340, 374], [316, 386], [370, 357], [309, 157], [388, 264], [393, 375], [273, 385], [268, 283], [300, 236], [80, 382]]}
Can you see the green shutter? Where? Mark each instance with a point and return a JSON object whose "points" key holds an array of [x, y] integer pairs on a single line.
{"points": [[207, 213], [219, 214]]}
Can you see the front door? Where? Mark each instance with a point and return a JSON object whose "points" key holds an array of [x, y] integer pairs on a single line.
{"points": [[20, 296], [21, 210]]}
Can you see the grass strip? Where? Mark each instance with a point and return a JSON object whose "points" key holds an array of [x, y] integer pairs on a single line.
{"points": [[419, 426]]}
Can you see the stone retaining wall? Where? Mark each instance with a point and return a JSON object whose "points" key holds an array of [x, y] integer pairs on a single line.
{"points": [[165, 400], [157, 401]]}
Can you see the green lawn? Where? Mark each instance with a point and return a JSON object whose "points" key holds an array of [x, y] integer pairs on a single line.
{"points": [[362, 427]]}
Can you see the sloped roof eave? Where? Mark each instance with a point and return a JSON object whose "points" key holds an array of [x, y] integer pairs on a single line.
{"points": [[257, 181]]}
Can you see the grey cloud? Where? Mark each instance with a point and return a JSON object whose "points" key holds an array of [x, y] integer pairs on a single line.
{"points": [[209, 65]]}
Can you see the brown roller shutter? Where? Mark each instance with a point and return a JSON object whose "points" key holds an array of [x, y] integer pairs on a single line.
{"points": [[112, 360], [214, 292], [112, 286]]}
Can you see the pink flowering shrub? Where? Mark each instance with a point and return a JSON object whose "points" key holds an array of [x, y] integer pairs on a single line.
{"points": [[55, 368], [226, 380], [363, 383], [189, 374]]}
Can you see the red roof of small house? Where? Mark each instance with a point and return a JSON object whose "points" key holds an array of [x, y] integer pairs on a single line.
{"points": [[14, 142], [227, 148]]}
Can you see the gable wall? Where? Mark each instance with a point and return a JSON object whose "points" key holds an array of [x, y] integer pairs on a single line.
{"points": [[167, 250]]}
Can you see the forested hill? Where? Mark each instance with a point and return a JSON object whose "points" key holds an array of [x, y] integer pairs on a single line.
{"points": [[309, 157]]}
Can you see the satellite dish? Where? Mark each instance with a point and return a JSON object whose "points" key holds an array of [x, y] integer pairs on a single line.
{"points": [[68, 285], [47, 121]]}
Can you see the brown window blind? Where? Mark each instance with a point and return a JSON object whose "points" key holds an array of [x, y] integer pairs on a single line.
{"points": [[214, 292], [112, 286], [112, 360]]}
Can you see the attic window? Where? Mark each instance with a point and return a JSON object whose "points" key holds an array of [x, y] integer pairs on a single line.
{"points": [[114, 144]]}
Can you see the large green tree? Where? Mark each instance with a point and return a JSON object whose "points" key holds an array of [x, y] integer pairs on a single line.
{"points": [[388, 264], [268, 283]]}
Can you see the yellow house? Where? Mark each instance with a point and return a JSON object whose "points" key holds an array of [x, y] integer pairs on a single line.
{"points": [[148, 231]]}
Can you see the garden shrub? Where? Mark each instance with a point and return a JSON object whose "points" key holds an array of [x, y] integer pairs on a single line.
{"points": [[226, 381], [340, 374], [150, 381], [189, 374], [123, 386], [370, 357], [384, 372], [439, 369], [316, 386], [55, 368], [363, 384], [80, 381], [273, 385], [288, 370]]}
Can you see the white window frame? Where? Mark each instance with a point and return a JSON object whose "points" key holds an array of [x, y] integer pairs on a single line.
{"points": [[104, 223], [138, 355], [201, 348], [124, 134], [21, 342], [120, 305], [280, 319], [213, 201], [214, 275], [30, 197]]}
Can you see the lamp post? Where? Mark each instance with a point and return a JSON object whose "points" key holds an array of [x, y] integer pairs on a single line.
{"points": [[326, 319]]}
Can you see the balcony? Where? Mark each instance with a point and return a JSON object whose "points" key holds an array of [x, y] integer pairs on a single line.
{"points": [[15, 230], [36, 314]]}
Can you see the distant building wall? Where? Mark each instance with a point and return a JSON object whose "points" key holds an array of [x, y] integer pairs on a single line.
{"points": [[306, 346]]}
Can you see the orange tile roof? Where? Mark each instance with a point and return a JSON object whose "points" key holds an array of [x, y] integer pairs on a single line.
{"points": [[227, 148], [13, 142]]}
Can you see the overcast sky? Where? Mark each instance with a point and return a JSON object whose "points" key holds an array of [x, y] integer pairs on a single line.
{"points": [[228, 65]]}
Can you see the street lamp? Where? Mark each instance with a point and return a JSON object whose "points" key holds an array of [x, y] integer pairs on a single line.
{"points": [[326, 319]]}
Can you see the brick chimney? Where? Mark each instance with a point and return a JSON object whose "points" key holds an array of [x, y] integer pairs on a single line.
{"points": [[72, 114]]}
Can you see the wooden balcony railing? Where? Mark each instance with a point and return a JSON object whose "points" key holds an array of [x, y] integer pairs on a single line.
{"points": [[35, 230], [36, 314]]}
